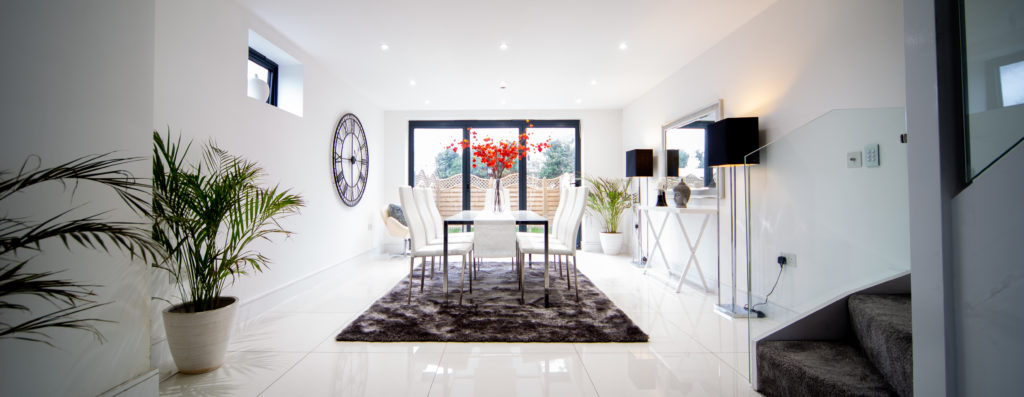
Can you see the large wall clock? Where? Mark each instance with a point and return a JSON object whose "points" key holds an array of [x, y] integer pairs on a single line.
{"points": [[351, 159]]}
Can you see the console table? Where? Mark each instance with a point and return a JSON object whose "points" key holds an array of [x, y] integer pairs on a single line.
{"points": [[678, 214]]}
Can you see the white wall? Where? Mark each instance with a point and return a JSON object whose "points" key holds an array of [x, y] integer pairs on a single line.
{"points": [[78, 80], [792, 63], [200, 92], [601, 151]]}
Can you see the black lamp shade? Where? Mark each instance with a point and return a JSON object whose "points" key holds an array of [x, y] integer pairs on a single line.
{"points": [[672, 162], [729, 140], [640, 162]]}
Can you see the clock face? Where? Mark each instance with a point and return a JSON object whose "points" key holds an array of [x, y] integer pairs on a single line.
{"points": [[351, 159]]}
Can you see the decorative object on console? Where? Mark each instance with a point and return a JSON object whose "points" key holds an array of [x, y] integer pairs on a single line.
{"points": [[498, 156], [607, 200], [729, 142], [639, 163], [204, 218], [351, 159], [681, 193], [663, 185]]}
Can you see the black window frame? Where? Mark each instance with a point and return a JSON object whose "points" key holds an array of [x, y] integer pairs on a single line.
{"points": [[465, 125], [272, 72]]}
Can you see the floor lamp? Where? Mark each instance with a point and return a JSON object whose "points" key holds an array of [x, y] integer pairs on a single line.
{"points": [[729, 141], [639, 163]]}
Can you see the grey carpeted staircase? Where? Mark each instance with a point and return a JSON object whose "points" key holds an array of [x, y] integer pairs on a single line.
{"points": [[875, 359]]}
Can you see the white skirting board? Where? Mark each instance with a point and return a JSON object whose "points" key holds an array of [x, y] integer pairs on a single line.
{"points": [[145, 385]]}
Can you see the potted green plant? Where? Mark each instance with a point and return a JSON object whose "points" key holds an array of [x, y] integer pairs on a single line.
{"points": [[607, 200], [204, 218]]}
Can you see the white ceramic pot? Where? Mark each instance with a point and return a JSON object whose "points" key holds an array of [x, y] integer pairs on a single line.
{"points": [[611, 243], [198, 341]]}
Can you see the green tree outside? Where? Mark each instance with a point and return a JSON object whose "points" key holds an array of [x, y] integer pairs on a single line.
{"points": [[559, 160], [684, 157]]}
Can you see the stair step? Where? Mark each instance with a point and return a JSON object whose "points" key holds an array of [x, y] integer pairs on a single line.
{"points": [[882, 324], [817, 368]]}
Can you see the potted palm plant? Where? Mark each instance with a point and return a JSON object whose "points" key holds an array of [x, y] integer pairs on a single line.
{"points": [[204, 218], [607, 200]]}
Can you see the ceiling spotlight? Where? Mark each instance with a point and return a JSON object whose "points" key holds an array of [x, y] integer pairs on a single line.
{"points": [[503, 85], [426, 102], [623, 46], [503, 101], [593, 82], [384, 47], [579, 100], [412, 83], [503, 46]]}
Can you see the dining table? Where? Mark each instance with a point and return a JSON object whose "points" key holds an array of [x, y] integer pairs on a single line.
{"points": [[521, 217]]}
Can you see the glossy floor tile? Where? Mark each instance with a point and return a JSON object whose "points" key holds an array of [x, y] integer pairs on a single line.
{"points": [[291, 351]]}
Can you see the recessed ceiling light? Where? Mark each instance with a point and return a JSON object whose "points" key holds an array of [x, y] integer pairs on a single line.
{"points": [[384, 46], [579, 100], [593, 82], [503, 101], [426, 102], [412, 83], [623, 46], [503, 46]]}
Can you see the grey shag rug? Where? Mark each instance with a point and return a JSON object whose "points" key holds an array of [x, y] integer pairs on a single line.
{"points": [[492, 312]]}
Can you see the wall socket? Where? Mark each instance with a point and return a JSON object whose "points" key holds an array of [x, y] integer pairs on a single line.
{"points": [[853, 159], [790, 259]]}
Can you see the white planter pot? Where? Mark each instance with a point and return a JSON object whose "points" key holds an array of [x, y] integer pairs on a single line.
{"points": [[611, 243], [198, 341]]}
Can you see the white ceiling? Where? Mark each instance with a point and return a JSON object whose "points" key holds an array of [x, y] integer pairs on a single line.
{"points": [[556, 48]]}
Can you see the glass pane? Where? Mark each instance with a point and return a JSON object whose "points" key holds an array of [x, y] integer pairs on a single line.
{"points": [[690, 144], [481, 174], [993, 81], [544, 170], [439, 168]]}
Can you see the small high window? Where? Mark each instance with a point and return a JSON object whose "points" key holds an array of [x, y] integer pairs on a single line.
{"points": [[266, 70]]}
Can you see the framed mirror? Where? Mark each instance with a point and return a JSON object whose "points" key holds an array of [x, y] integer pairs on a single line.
{"points": [[687, 135]]}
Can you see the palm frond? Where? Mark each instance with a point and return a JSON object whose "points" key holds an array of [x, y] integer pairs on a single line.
{"points": [[32, 330], [14, 281]]}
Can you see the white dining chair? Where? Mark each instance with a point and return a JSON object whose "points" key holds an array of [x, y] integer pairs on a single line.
{"points": [[565, 243], [494, 236], [420, 247], [434, 222]]}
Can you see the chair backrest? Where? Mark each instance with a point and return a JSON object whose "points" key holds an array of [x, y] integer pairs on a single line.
{"points": [[417, 232], [560, 210], [432, 206], [494, 237], [576, 217], [423, 206], [564, 223]]}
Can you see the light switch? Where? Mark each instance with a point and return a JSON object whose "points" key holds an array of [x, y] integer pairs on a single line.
{"points": [[871, 155], [853, 159]]}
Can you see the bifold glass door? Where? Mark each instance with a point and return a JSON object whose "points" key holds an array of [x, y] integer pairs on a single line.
{"points": [[532, 184]]}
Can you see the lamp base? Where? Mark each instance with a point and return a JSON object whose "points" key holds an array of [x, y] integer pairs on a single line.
{"points": [[732, 310]]}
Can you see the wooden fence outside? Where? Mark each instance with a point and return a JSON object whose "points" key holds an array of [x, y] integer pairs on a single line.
{"points": [[541, 194]]}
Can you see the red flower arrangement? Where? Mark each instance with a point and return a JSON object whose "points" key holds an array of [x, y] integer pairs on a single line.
{"points": [[499, 155]]}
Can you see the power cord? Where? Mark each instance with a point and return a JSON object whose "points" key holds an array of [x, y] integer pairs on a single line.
{"points": [[760, 314]]}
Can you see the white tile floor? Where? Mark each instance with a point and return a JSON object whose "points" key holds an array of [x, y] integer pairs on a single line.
{"points": [[291, 351]]}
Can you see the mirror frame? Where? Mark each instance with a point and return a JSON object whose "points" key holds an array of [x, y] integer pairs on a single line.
{"points": [[715, 112]]}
